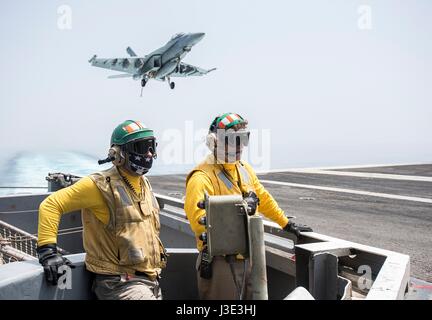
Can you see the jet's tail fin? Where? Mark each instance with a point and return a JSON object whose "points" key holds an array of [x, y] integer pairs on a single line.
{"points": [[92, 58], [131, 52]]}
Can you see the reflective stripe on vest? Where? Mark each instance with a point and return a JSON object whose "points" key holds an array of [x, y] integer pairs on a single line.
{"points": [[124, 197], [244, 174], [225, 180]]}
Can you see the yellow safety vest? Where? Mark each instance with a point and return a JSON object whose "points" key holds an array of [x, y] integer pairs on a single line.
{"points": [[130, 241], [222, 182]]}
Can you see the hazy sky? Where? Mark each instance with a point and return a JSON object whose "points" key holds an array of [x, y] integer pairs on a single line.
{"points": [[329, 90]]}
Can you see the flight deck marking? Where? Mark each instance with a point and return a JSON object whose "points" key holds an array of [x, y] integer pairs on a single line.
{"points": [[360, 192], [365, 166], [362, 174]]}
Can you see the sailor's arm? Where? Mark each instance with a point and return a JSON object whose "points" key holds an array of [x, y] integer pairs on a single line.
{"points": [[197, 185], [268, 205], [82, 194]]}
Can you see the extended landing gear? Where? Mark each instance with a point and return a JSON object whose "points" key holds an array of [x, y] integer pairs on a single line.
{"points": [[171, 84], [143, 83]]}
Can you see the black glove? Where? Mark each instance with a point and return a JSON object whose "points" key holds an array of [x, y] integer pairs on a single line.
{"points": [[252, 200], [51, 260], [297, 228]]}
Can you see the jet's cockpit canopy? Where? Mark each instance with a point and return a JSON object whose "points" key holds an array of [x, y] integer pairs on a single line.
{"points": [[177, 35]]}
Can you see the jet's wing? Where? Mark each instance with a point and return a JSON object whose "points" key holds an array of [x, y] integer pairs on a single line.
{"points": [[129, 65], [187, 70]]}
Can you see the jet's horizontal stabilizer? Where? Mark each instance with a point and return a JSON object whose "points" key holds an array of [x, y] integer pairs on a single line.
{"points": [[212, 69], [92, 58], [131, 52], [122, 75]]}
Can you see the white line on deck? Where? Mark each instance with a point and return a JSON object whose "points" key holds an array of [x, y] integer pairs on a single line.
{"points": [[360, 192], [360, 166], [364, 166], [363, 174]]}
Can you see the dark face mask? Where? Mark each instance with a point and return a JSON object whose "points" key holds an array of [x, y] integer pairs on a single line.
{"points": [[140, 155], [138, 163]]}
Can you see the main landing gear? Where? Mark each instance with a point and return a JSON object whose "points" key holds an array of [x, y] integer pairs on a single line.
{"points": [[170, 83], [143, 83]]}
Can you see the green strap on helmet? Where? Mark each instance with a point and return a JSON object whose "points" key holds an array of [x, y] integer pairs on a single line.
{"points": [[129, 131]]}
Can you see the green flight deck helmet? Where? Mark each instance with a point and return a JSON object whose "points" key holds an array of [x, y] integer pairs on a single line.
{"points": [[133, 145], [128, 131]]}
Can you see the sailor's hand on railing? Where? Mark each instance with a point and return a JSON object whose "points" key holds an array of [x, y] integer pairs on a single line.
{"points": [[51, 261], [297, 228]]}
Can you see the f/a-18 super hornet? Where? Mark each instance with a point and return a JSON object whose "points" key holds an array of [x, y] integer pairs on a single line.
{"points": [[161, 64]]}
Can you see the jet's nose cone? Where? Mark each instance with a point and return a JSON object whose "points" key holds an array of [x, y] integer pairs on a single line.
{"points": [[196, 37], [199, 35]]}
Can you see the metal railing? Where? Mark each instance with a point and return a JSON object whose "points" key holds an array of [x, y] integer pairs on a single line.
{"points": [[16, 244], [390, 270], [19, 245]]}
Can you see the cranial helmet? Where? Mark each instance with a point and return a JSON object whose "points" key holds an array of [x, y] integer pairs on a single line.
{"points": [[230, 128], [133, 145]]}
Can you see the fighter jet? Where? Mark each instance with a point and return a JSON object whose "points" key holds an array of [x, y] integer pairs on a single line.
{"points": [[161, 64]]}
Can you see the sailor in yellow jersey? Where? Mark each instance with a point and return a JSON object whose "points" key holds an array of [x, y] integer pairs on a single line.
{"points": [[120, 219], [223, 173]]}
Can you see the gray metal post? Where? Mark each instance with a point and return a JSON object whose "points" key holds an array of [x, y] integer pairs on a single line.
{"points": [[258, 275]]}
